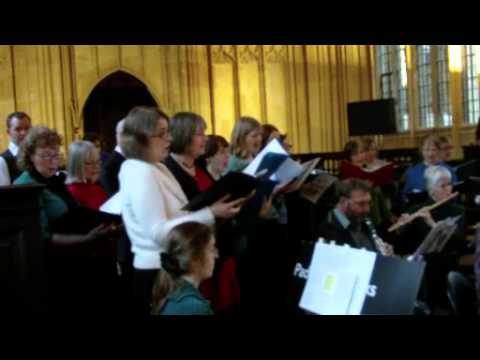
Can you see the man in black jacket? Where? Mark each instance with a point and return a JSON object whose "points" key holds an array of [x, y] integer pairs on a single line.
{"points": [[109, 181], [348, 222], [18, 124], [111, 168]]}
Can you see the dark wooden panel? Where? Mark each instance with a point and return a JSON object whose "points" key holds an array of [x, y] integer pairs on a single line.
{"points": [[23, 280]]}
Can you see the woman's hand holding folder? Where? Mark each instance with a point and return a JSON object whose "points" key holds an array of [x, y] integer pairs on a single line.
{"points": [[266, 206], [225, 210]]}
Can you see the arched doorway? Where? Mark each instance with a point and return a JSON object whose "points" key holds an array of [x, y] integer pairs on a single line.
{"points": [[110, 101]]}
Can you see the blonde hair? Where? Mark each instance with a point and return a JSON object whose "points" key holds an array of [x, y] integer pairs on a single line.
{"points": [[79, 153], [242, 128], [139, 124]]}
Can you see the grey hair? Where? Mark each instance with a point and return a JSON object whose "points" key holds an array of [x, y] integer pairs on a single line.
{"points": [[79, 153], [183, 126], [119, 127], [433, 174]]}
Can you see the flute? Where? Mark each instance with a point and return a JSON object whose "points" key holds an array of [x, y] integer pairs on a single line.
{"points": [[417, 213]]}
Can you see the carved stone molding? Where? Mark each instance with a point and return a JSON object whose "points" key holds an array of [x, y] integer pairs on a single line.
{"points": [[223, 54], [248, 53], [275, 53]]}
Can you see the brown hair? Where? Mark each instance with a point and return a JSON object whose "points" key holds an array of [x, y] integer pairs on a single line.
{"points": [[18, 115], [214, 143], [367, 142], [37, 137], [345, 188], [267, 130], [431, 139], [242, 128], [139, 124], [183, 126], [351, 148], [186, 242]]}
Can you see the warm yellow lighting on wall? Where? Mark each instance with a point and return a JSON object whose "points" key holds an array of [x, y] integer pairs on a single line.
{"points": [[455, 58], [403, 66]]}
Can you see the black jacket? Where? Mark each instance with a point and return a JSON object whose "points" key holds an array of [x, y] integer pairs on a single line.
{"points": [[11, 161], [186, 181], [331, 229], [110, 170]]}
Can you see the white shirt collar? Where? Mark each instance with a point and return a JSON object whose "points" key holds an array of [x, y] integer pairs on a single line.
{"points": [[13, 148], [119, 150]]}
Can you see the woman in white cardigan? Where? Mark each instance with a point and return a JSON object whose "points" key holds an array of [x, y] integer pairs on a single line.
{"points": [[152, 199]]}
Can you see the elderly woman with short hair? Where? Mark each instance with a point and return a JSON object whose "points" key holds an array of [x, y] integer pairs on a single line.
{"points": [[83, 168], [431, 156], [438, 183]]}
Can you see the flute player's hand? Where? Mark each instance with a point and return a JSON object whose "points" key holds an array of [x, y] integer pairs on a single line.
{"points": [[425, 215]]}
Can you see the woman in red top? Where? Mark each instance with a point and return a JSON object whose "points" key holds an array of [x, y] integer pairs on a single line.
{"points": [[187, 163], [83, 169]]}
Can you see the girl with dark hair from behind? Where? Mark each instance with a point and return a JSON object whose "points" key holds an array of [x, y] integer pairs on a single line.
{"points": [[188, 260]]}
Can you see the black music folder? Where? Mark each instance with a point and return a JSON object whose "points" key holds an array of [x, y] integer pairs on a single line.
{"points": [[235, 184], [393, 287]]}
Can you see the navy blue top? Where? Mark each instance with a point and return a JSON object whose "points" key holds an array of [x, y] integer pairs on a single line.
{"points": [[415, 177]]}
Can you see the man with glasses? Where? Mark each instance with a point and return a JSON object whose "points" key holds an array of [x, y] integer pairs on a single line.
{"points": [[348, 222], [18, 124]]}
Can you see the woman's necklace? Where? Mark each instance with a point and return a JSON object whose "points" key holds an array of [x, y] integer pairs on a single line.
{"points": [[187, 167]]}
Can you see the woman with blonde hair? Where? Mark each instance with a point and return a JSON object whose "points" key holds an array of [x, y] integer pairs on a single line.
{"points": [[246, 141], [83, 172]]}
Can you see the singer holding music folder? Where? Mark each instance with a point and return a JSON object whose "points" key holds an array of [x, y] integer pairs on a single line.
{"points": [[415, 175], [152, 199], [410, 236]]}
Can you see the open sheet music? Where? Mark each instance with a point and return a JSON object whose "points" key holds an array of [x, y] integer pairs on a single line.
{"points": [[317, 187], [438, 236]]}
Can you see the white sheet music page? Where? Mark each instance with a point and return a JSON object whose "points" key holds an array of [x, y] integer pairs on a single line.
{"points": [[338, 280], [113, 205], [273, 146]]}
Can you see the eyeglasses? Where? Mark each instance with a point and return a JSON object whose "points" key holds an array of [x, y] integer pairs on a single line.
{"points": [[201, 134], [55, 157], [162, 135]]}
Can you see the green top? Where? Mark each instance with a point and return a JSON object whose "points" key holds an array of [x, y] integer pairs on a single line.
{"points": [[236, 164], [52, 207], [186, 300]]}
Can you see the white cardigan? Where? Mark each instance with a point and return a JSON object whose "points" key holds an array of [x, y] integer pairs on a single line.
{"points": [[152, 200]]}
